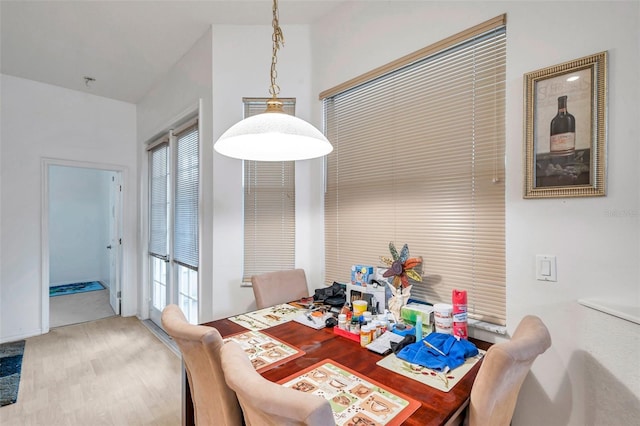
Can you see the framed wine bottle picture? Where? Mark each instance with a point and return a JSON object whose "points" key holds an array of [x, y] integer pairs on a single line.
{"points": [[565, 129]]}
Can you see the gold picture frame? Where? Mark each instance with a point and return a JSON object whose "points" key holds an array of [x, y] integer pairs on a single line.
{"points": [[565, 129]]}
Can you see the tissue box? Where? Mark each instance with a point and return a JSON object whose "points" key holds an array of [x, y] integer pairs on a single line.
{"points": [[361, 274], [410, 311]]}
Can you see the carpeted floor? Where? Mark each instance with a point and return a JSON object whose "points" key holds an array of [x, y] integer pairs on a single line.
{"points": [[10, 369]]}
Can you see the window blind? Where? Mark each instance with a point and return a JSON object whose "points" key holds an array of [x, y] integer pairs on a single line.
{"points": [[158, 203], [419, 159], [185, 241], [269, 207]]}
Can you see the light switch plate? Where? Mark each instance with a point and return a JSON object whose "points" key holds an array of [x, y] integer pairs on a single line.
{"points": [[546, 268]]}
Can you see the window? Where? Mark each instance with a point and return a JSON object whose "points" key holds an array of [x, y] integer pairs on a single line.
{"points": [[419, 159], [158, 221], [173, 221], [185, 241], [269, 207]]}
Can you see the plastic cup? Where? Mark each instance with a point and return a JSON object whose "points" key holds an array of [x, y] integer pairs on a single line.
{"points": [[359, 306]]}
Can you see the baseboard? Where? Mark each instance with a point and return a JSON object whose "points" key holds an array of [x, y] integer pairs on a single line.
{"points": [[162, 336], [23, 336]]}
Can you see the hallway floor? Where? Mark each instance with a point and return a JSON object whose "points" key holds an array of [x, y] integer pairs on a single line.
{"points": [[79, 308]]}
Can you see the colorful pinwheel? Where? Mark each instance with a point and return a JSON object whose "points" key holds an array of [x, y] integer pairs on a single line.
{"points": [[401, 266]]}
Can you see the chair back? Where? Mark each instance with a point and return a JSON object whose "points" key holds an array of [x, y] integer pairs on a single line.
{"points": [[214, 402], [267, 403], [273, 288], [505, 365]]}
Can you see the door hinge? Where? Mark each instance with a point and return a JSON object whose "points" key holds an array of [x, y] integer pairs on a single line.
{"points": [[120, 241], [120, 188]]}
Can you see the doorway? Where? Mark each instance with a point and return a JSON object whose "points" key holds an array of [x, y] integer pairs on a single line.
{"points": [[82, 242]]}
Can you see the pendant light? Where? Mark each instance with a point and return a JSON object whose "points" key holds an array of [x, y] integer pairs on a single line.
{"points": [[273, 135]]}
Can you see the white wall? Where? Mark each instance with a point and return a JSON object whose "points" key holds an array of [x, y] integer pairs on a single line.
{"points": [[225, 65], [41, 121], [591, 374], [241, 63], [78, 225]]}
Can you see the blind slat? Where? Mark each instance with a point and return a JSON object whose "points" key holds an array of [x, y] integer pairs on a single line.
{"points": [[158, 202], [269, 207], [185, 241], [419, 159]]}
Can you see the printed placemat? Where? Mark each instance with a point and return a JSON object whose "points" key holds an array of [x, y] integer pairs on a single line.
{"points": [[436, 379], [267, 317], [264, 351], [354, 399]]}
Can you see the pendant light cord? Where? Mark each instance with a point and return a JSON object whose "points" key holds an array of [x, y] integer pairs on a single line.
{"points": [[278, 42]]}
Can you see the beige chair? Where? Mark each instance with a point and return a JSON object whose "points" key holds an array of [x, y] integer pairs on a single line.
{"points": [[504, 368], [267, 403], [273, 288], [214, 402]]}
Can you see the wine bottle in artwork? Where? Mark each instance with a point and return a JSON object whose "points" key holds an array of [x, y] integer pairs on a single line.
{"points": [[563, 130]]}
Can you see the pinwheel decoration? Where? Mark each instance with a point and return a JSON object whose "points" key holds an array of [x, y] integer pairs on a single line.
{"points": [[401, 266]]}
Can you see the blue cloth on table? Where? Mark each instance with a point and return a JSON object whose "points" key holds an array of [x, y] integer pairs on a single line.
{"points": [[456, 352]]}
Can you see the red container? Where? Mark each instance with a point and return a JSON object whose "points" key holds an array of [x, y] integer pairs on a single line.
{"points": [[347, 334], [459, 302]]}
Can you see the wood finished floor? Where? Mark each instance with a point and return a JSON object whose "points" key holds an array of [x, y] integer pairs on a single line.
{"points": [[80, 307], [112, 371]]}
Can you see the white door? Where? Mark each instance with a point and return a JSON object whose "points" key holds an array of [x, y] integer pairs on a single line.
{"points": [[115, 241], [173, 223]]}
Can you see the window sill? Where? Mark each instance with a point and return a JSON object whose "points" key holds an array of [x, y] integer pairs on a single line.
{"points": [[492, 328]]}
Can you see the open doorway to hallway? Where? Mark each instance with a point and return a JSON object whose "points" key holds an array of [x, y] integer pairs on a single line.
{"points": [[84, 243]]}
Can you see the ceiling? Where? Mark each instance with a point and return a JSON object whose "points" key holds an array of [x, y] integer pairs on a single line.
{"points": [[126, 46]]}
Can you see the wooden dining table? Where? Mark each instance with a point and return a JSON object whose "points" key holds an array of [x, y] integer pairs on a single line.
{"points": [[436, 407]]}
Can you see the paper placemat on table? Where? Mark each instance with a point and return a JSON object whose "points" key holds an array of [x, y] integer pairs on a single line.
{"points": [[264, 351], [441, 381], [267, 317], [354, 398]]}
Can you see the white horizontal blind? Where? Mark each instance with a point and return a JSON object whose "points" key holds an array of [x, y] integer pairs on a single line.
{"points": [[185, 241], [158, 203], [269, 207], [419, 159]]}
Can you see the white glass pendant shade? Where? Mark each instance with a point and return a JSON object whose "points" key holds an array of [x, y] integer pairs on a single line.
{"points": [[273, 136]]}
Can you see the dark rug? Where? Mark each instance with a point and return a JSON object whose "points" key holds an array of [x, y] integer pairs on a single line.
{"points": [[10, 367], [62, 290]]}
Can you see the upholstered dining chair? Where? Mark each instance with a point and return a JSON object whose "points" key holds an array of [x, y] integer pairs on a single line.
{"points": [[495, 390], [273, 288], [267, 403], [214, 402]]}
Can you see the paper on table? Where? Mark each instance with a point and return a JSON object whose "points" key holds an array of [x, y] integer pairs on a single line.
{"points": [[312, 321], [382, 345]]}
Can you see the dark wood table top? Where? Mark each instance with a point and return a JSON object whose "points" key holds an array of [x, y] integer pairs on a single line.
{"points": [[436, 408]]}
